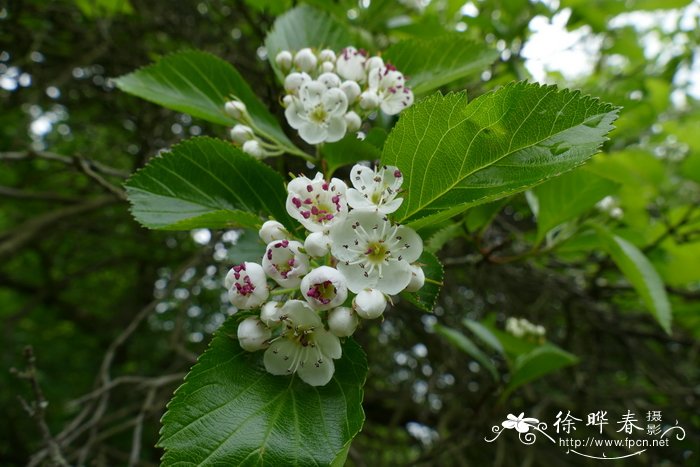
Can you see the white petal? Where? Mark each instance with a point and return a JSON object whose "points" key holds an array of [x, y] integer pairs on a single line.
{"points": [[509, 424], [355, 278], [412, 239], [336, 129], [342, 321], [394, 103], [317, 244], [311, 94], [369, 303], [299, 313], [417, 279], [357, 200], [312, 133], [279, 357], [295, 114], [335, 102], [395, 277], [327, 343], [391, 206], [373, 78], [317, 374]]}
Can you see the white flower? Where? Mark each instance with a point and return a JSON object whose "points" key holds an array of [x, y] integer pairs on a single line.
{"points": [[316, 203], [247, 286], [318, 113], [330, 80], [375, 189], [270, 313], [372, 253], [417, 279], [253, 335], [284, 60], [369, 100], [521, 424], [353, 121], [324, 288], [391, 89], [369, 303], [351, 89], [236, 109], [327, 55], [317, 244], [293, 81], [304, 347], [342, 321], [254, 148], [305, 60], [285, 263], [374, 62], [272, 230], [327, 67], [242, 133], [351, 64]]}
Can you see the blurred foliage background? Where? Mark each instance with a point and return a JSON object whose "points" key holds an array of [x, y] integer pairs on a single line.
{"points": [[116, 314]]}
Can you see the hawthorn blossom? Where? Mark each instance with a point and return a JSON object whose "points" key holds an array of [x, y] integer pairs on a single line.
{"points": [[318, 113], [372, 253], [369, 303], [342, 321], [317, 244], [252, 334], [272, 230], [350, 64], [304, 347], [316, 203], [247, 285], [375, 189], [285, 263], [390, 87], [324, 288]]}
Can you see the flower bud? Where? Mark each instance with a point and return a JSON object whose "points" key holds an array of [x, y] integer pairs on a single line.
{"points": [[285, 263], [369, 100], [342, 321], [324, 288], [417, 279], [353, 121], [254, 148], [330, 80], [317, 244], [242, 133], [369, 303], [272, 230], [327, 67], [327, 55], [374, 62], [270, 313], [351, 89], [247, 286], [236, 109], [284, 60], [253, 335], [305, 60], [293, 81]]}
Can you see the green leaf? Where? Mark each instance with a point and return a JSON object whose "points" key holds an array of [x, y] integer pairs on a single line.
{"points": [[206, 182], [200, 84], [456, 155], [348, 150], [305, 26], [429, 64], [444, 235], [485, 334], [568, 196], [230, 411], [640, 273], [104, 8], [542, 360], [465, 344], [479, 217], [248, 247], [274, 7], [426, 297]]}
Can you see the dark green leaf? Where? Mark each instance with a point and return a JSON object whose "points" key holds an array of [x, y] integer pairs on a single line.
{"points": [[205, 182], [426, 297], [465, 344], [200, 84], [544, 359], [442, 236], [230, 411], [483, 333], [348, 150], [429, 64], [456, 155], [641, 273]]}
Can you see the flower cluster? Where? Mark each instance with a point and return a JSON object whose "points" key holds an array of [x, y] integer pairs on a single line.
{"points": [[351, 259], [329, 94], [522, 328]]}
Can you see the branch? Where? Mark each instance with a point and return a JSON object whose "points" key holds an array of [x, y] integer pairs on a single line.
{"points": [[72, 160], [37, 409], [36, 196]]}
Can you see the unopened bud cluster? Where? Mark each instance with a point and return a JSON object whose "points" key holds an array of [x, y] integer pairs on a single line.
{"points": [[353, 257], [522, 328], [244, 133], [328, 94]]}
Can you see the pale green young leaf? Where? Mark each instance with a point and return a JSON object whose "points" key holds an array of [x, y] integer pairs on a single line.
{"points": [[455, 155], [431, 63], [568, 196], [206, 182], [541, 361], [640, 273], [230, 411], [200, 84], [463, 343]]}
